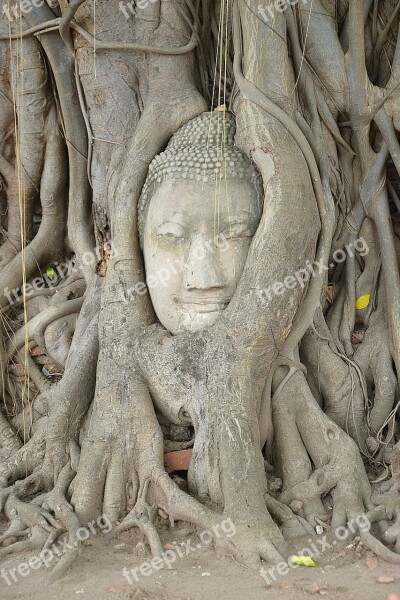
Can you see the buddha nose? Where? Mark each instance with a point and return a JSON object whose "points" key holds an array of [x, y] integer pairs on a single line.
{"points": [[203, 269]]}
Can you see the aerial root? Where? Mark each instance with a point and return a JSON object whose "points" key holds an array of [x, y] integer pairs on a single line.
{"points": [[373, 544], [142, 516], [392, 534], [36, 541], [71, 545], [44, 520], [16, 529]]}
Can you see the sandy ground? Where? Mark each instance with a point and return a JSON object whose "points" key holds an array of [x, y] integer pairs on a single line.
{"points": [[341, 572]]}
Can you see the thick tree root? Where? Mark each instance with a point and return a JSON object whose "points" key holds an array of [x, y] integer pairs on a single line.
{"points": [[143, 516], [330, 450], [10, 443], [26, 460], [16, 529], [379, 549], [47, 518], [337, 379], [292, 525]]}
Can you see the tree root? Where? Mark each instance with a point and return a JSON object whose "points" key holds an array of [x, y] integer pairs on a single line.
{"points": [[379, 549], [36, 327], [26, 460], [38, 517], [120, 469], [35, 542], [292, 525], [329, 452], [143, 516], [339, 380], [392, 533], [10, 442], [16, 529]]}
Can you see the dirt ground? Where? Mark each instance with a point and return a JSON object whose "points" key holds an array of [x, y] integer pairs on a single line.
{"points": [[348, 572]]}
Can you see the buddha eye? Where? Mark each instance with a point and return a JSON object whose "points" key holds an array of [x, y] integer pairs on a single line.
{"points": [[170, 236], [171, 231], [238, 230]]}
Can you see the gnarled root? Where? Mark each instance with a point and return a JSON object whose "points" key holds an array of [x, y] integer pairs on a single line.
{"points": [[339, 469], [336, 379], [10, 443], [26, 460]]}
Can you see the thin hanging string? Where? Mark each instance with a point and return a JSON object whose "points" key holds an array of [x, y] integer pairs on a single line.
{"points": [[17, 86], [213, 96], [94, 39], [224, 121], [222, 56], [213, 90], [22, 207], [15, 129], [303, 55], [217, 192]]}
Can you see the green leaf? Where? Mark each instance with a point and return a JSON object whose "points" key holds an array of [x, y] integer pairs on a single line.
{"points": [[50, 273]]}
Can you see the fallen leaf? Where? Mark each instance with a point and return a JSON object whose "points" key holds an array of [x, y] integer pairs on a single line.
{"points": [[303, 561], [385, 579]]}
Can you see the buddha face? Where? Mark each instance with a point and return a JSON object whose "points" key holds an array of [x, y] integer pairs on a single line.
{"points": [[195, 244]]}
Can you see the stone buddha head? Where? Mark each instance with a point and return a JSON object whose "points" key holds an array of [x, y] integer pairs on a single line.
{"points": [[198, 212]]}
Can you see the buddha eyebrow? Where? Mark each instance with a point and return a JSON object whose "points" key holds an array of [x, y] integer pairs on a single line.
{"points": [[238, 218], [171, 220], [170, 215]]}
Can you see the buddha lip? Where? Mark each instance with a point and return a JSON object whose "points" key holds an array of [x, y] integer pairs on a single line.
{"points": [[205, 306]]}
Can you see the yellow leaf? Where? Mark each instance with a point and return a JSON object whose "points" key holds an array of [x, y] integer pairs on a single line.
{"points": [[363, 301], [303, 561]]}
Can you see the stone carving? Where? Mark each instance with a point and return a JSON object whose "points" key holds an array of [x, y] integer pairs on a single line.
{"points": [[198, 212]]}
